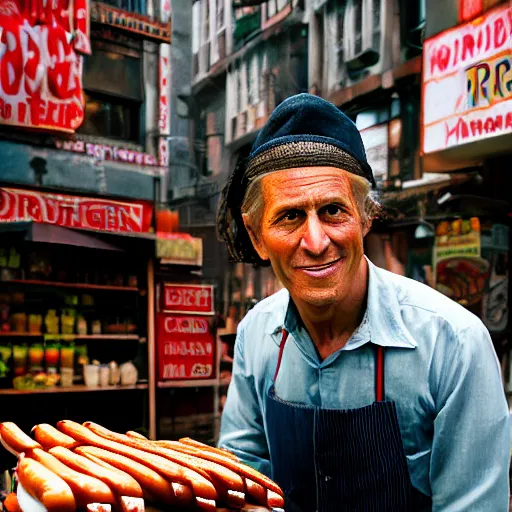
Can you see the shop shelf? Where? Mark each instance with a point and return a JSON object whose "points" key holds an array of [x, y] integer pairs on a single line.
{"points": [[72, 336], [82, 286], [73, 389], [188, 383]]}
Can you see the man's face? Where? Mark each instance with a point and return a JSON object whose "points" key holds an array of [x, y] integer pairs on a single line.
{"points": [[311, 232]]}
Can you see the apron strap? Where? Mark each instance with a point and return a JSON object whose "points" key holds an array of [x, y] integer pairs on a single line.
{"points": [[380, 392], [284, 337]]}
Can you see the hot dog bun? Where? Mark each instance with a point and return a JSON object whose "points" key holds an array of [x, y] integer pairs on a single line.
{"points": [[15, 440], [45, 486], [119, 481], [49, 437], [86, 489]]}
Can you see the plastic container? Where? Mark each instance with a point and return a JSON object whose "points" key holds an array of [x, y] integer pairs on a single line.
{"points": [[92, 375]]}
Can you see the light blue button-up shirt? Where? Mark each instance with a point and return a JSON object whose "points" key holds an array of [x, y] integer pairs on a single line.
{"points": [[441, 370]]}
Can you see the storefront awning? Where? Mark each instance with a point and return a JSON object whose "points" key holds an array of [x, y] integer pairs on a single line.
{"points": [[48, 233]]}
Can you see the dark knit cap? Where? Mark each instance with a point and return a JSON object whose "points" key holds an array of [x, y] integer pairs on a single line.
{"points": [[303, 131]]}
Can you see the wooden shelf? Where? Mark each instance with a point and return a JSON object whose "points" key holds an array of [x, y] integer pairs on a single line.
{"points": [[72, 336], [73, 389], [83, 286], [206, 383]]}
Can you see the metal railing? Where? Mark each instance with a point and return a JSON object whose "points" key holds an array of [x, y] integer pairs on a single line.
{"points": [[138, 6]]}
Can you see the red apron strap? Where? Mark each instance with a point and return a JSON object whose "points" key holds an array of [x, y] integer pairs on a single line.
{"points": [[380, 393], [281, 349]]}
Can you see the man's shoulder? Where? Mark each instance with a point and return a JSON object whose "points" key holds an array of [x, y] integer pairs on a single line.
{"points": [[268, 314], [426, 301]]}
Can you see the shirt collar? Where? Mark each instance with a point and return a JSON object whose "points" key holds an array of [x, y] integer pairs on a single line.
{"points": [[382, 318]]}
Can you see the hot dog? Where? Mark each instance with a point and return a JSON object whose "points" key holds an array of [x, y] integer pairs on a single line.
{"points": [[136, 435], [202, 487], [15, 440], [149, 480], [45, 486], [256, 492], [202, 446], [86, 489], [50, 437], [223, 478], [237, 467], [119, 481], [274, 500]]}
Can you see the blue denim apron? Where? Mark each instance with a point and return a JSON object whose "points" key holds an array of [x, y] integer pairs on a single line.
{"points": [[340, 460]]}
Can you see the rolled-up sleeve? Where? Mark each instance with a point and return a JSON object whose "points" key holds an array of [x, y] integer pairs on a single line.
{"points": [[242, 428], [470, 457]]}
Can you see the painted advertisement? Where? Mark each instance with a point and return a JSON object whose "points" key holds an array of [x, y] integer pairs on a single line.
{"points": [[74, 212], [41, 56], [467, 82], [185, 347], [194, 299]]}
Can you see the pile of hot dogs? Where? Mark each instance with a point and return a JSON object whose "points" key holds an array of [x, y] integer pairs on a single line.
{"points": [[74, 467]]}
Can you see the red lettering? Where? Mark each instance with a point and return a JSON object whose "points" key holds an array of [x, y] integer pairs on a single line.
{"points": [[476, 127], [508, 120], [11, 63], [456, 52], [460, 129], [468, 45], [61, 81], [22, 112], [440, 58], [479, 40], [34, 71], [488, 37], [489, 125], [498, 122], [35, 105], [500, 33]]}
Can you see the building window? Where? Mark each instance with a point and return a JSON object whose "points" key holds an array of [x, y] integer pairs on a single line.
{"points": [[111, 117], [138, 6]]}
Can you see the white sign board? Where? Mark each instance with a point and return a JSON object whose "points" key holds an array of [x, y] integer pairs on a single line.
{"points": [[467, 82]]}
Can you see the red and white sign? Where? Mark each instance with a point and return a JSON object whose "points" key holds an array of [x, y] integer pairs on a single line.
{"points": [[185, 347], [164, 77], [41, 63], [467, 77], [74, 212], [188, 298], [469, 9]]}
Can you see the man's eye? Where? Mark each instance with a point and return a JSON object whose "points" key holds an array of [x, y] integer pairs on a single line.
{"points": [[332, 210], [291, 216]]}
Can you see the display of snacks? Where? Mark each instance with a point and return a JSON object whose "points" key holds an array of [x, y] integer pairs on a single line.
{"points": [[77, 466], [35, 357], [67, 355], [51, 356], [20, 353]]}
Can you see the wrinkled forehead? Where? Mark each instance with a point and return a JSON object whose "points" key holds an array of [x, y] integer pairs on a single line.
{"points": [[307, 184]]}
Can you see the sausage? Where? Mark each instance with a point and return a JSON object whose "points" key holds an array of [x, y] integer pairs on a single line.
{"points": [[202, 487], [119, 481], [202, 446], [45, 486], [15, 440], [256, 492], [206, 505], [136, 435], [274, 500], [223, 478], [237, 467], [150, 481], [50, 437], [86, 489]]}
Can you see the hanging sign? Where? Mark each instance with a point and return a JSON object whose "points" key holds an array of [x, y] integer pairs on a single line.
{"points": [[460, 271], [41, 47], [179, 249], [185, 347], [188, 298], [467, 76], [74, 212]]}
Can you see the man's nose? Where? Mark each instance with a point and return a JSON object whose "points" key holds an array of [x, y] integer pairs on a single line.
{"points": [[314, 239]]}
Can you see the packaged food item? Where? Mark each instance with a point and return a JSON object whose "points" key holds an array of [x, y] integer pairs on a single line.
{"points": [[20, 353], [66, 377], [51, 356], [67, 355], [35, 324], [51, 322], [36, 357], [19, 322], [81, 325], [68, 319]]}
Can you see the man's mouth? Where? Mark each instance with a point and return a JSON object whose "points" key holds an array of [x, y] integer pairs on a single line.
{"points": [[318, 268]]}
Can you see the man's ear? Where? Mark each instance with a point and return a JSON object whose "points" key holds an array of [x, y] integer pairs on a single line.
{"points": [[366, 227], [255, 238]]}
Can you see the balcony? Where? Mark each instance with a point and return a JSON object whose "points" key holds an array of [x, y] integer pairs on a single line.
{"points": [[137, 6]]}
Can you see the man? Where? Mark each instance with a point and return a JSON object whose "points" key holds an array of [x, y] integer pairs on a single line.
{"points": [[354, 389]]}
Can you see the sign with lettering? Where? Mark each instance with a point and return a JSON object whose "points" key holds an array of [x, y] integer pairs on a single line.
{"points": [[467, 82], [41, 63], [74, 212], [107, 152], [185, 347], [188, 298], [132, 22]]}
